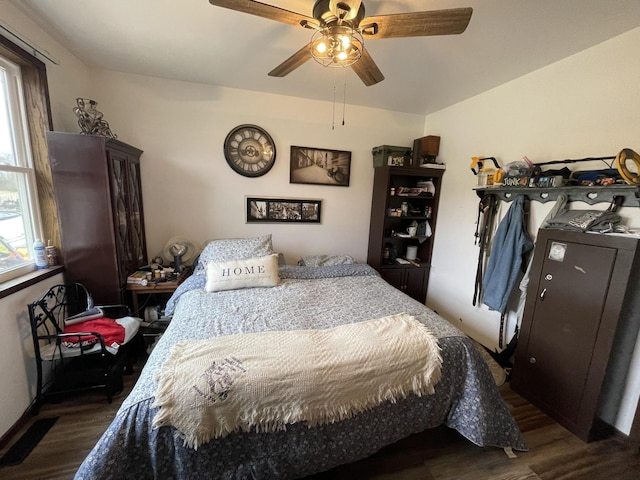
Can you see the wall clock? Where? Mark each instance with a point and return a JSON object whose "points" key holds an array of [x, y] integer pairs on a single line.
{"points": [[249, 150]]}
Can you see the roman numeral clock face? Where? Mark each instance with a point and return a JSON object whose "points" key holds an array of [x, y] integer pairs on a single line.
{"points": [[249, 150]]}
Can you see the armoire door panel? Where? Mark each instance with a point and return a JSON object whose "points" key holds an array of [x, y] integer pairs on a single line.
{"points": [[136, 232], [120, 216]]}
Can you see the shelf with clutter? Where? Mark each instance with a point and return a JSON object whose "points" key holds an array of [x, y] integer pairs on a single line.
{"points": [[618, 183], [404, 211]]}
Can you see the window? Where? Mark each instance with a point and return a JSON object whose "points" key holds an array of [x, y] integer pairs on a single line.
{"points": [[19, 216]]}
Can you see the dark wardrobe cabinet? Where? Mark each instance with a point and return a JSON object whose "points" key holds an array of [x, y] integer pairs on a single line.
{"points": [[579, 326], [96, 182]]}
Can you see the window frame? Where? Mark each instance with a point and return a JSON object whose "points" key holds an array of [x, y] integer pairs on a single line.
{"points": [[23, 165], [38, 120]]}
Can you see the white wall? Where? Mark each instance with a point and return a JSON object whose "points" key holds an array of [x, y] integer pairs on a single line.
{"points": [[189, 189], [584, 106]]}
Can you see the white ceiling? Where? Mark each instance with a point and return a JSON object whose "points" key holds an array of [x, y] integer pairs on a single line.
{"points": [[194, 41]]}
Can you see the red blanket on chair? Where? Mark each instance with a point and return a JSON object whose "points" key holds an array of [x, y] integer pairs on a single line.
{"points": [[111, 331]]}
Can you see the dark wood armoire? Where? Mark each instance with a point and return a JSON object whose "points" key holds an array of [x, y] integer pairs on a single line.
{"points": [[96, 182]]}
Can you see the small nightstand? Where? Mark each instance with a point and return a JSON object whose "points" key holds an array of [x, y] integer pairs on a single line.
{"points": [[152, 288]]}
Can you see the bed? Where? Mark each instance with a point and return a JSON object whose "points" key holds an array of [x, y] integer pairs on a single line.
{"points": [[305, 297]]}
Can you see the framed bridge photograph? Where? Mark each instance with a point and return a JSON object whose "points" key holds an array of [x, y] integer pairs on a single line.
{"points": [[320, 166]]}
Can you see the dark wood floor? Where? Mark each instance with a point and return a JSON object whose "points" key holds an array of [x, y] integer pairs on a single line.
{"points": [[554, 453]]}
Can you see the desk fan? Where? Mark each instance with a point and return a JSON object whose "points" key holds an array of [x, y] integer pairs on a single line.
{"points": [[179, 250]]}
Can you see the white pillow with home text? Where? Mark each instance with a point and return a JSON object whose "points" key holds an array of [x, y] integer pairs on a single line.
{"points": [[248, 273]]}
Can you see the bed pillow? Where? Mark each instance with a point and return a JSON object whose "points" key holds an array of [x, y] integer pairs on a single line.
{"points": [[247, 273], [228, 249], [325, 260]]}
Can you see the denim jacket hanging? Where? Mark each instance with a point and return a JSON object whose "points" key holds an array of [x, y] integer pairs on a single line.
{"points": [[510, 243]]}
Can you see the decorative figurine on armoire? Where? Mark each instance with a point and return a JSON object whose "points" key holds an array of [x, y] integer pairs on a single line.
{"points": [[90, 119]]}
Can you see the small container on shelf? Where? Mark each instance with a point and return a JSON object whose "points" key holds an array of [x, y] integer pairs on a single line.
{"points": [[428, 210], [40, 254], [52, 254]]}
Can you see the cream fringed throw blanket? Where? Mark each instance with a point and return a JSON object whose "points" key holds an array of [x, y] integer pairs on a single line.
{"points": [[209, 388]]}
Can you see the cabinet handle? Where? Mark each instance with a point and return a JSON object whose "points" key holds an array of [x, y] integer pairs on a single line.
{"points": [[532, 360], [542, 294]]}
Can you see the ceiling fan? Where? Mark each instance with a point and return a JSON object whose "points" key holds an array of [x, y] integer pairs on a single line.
{"points": [[341, 26]]}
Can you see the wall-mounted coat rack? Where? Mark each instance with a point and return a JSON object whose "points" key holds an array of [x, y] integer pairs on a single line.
{"points": [[589, 195], [625, 195]]}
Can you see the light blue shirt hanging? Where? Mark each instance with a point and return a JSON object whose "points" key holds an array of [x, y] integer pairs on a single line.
{"points": [[509, 244]]}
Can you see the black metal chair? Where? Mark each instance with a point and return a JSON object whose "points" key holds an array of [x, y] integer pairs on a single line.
{"points": [[68, 362]]}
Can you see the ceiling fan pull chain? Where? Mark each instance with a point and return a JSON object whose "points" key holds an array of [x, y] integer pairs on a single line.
{"points": [[344, 95], [333, 113]]}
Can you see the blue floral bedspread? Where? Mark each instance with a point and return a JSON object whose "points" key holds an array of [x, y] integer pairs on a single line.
{"points": [[466, 398]]}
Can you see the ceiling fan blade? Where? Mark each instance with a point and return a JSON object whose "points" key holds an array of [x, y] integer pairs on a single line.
{"points": [[291, 63], [367, 69], [417, 24], [263, 10]]}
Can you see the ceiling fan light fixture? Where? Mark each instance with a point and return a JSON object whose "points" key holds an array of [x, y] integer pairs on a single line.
{"points": [[336, 46], [330, 18]]}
